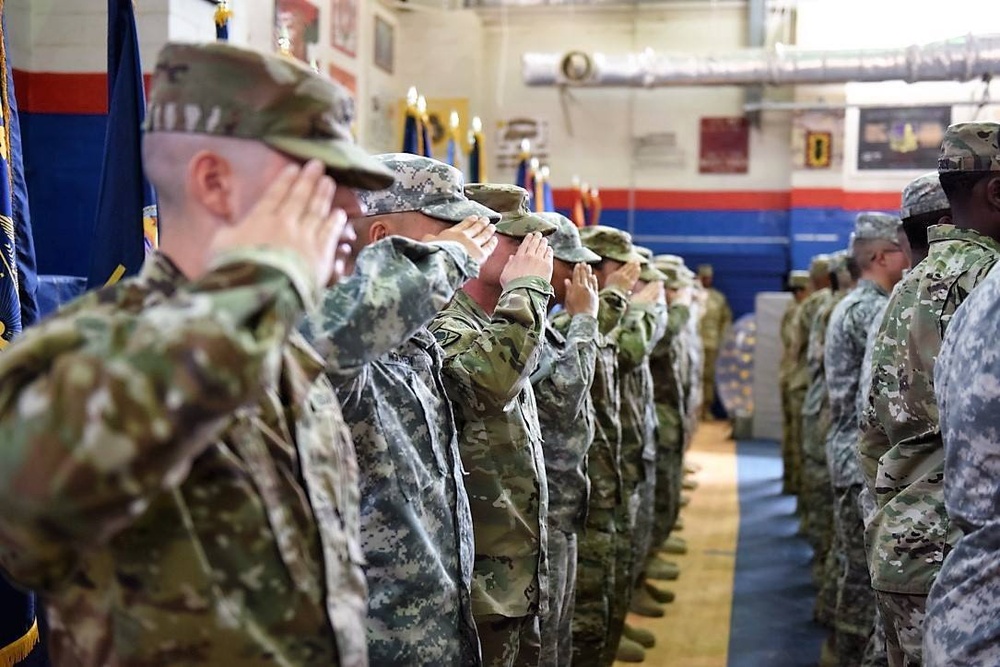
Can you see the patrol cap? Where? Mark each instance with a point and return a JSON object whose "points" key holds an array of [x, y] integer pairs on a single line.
{"points": [[424, 185], [705, 271], [610, 243], [511, 202], [229, 91], [872, 226], [923, 195], [565, 241], [644, 251], [672, 277], [648, 273], [798, 279], [970, 147], [661, 260], [820, 265]]}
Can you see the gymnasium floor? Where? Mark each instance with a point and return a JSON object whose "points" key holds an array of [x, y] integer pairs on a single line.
{"points": [[744, 597]]}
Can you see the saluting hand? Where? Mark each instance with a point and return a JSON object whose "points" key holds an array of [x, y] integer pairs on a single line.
{"points": [[651, 293], [533, 258], [624, 278], [581, 292], [475, 234], [295, 213]]}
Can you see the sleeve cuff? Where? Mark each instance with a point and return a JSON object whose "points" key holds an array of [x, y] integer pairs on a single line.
{"points": [[535, 283], [583, 327], [287, 262], [458, 254]]}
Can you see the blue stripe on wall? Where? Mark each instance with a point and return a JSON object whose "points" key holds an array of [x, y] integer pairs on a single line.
{"points": [[62, 161]]}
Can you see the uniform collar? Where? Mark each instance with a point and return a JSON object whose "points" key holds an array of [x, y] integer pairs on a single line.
{"points": [[939, 233]]}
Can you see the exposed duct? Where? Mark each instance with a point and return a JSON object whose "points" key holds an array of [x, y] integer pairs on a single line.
{"points": [[960, 59]]}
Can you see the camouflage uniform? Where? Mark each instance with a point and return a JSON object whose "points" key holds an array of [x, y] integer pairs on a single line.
{"points": [[716, 319], [562, 384], [847, 335], [177, 473], [416, 529], [901, 448], [789, 418], [598, 561], [961, 626], [488, 359]]}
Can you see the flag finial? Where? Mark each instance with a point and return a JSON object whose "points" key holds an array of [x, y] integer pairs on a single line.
{"points": [[284, 41]]}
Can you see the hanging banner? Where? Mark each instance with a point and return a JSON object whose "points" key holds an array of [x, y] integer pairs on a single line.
{"points": [[901, 138], [724, 147]]}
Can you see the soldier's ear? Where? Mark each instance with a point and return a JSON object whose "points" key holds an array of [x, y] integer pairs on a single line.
{"points": [[378, 231], [993, 192], [210, 183]]}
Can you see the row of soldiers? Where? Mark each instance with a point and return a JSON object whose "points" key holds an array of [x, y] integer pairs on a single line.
{"points": [[333, 421], [889, 386]]}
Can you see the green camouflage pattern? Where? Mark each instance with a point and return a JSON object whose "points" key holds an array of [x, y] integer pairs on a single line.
{"points": [[880, 226], [904, 626], [798, 280], [715, 321], [819, 265], [488, 361], [960, 627], [424, 185], [970, 147], [705, 271], [791, 406], [609, 243], [230, 91], [901, 449], [556, 627], [177, 476], [562, 382], [923, 194], [416, 526], [565, 241], [511, 202]]}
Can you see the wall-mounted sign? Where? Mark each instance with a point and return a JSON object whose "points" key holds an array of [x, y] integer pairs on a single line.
{"points": [[819, 150], [510, 134], [901, 138], [725, 146]]}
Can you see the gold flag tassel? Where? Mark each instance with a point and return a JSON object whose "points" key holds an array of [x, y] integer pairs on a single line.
{"points": [[19, 650]]}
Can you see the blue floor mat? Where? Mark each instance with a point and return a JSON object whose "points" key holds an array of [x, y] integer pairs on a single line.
{"points": [[773, 593]]}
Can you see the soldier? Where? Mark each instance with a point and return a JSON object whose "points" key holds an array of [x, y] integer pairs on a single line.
{"points": [[562, 384], [177, 474], [601, 559], [800, 287], [901, 450], [714, 322], [961, 625], [798, 378], [877, 247], [490, 333], [416, 530]]}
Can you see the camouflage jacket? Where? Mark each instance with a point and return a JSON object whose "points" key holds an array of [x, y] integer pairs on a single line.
{"points": [[901, 450], [562, 385], [604, 457], [715, 321], [805, 315], [665, 365], [177, 476], [691, 366], [961, 627], [416, 529], [845, 350], [817, 398], [786, 330], [487, 365], [641, 329]]}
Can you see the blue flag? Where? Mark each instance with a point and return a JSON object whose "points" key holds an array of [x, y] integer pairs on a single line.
{"points": [[118, 242], [24, 243], [411, 133]]}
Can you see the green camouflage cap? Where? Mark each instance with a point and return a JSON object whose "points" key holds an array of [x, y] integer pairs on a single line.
{"points": [[663, 260], [820, 265], [424, 185], [648, 273], [565, 241], [798, 279], [229, 91], [923, 195], [873, 225], [644, 251], [610, 243], [705, 271], [837, 261], [673, 279], [511, 202], [970, 147]]}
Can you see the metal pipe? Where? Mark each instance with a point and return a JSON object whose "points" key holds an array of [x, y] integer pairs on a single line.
{"points": [[836, 106], [959, 59]]}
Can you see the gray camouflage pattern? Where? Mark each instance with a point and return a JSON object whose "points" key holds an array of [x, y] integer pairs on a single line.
{"points": [[565, 241], [881, 226], [962, 626], [923, 194], [416, 526]]}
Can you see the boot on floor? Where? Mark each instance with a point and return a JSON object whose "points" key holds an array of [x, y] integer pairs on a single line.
{"points": [[643, 604], [661, 595], [661, 570], [640, 636], [629, 651], [674, 545]]}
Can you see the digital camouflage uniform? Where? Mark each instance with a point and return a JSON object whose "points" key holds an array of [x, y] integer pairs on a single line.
{"points": [[562, 384], [790, 420], [416, 529], [962, 625], [901, 448], [847, 335], [488, 359], [598, 561], [177, 475], [716, 319]]}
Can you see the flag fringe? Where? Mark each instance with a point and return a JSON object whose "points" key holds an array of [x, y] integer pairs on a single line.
{"points": [[18, 650]]}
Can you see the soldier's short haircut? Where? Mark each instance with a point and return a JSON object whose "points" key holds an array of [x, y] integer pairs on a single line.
{"points": [[865, 250], [958, 185], [853, 268], [916, 226]]}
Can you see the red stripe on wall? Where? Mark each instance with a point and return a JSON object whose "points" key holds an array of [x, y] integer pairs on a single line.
{"points": [[698, 200], [63, 93]]}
